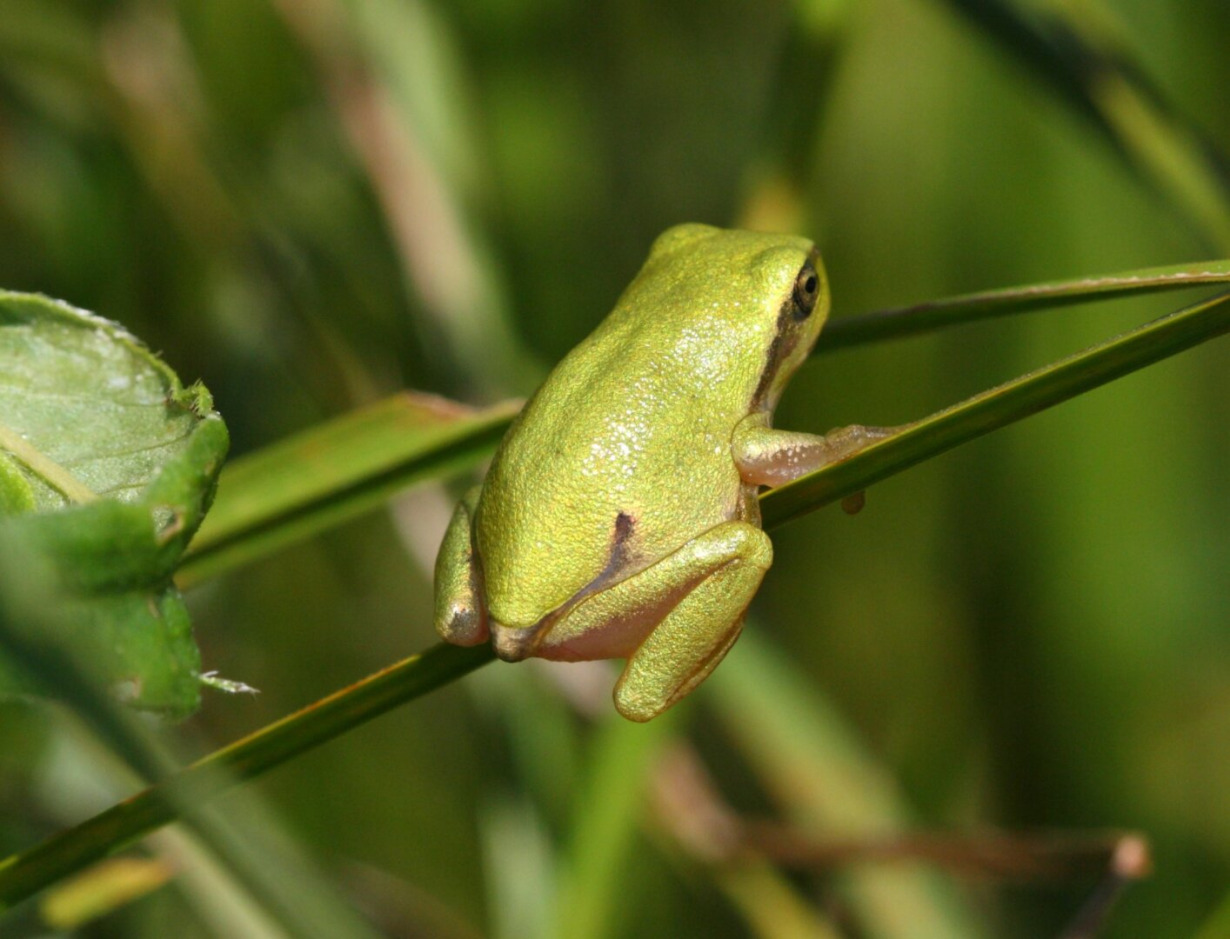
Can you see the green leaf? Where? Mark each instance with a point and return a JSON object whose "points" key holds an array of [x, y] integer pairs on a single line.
{"points": [[107, 466], [16, 493]]}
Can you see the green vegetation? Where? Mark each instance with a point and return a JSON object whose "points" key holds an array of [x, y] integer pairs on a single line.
{"points": [[313, 206]]}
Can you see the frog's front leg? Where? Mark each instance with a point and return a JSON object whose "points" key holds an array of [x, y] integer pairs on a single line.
{"points": [[460, 614], [768, 457], [676, 619]]}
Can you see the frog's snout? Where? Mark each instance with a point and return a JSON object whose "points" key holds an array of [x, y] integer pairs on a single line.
{"points": [[511, 643]]}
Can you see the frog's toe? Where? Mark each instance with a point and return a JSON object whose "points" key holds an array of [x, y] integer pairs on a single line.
{"points": [[513, 643], [462, 625]]}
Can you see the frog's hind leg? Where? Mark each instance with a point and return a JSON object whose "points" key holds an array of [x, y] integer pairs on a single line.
{"points": [[685, 612], [696, 634], [460, 614]]}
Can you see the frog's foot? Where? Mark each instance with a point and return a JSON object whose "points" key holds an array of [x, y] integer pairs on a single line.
{"points": [[674, 621], [460, 614]]}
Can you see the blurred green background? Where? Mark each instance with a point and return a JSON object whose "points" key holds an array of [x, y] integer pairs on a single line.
{"points": [[311, 204]]}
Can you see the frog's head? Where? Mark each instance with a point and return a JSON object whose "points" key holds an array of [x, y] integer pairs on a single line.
{"points": [[773, 285], [753, 302]]}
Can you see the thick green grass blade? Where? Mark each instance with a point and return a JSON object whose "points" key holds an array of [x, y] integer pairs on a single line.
{"points": [[1001, 406], [988, 304], [333, 472]]}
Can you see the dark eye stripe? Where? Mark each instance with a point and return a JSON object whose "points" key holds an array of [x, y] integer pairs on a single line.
{"points": [[797, 307]]}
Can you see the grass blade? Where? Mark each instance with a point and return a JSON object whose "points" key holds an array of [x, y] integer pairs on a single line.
{"points": [[971, 307], [24, 874], [605, 825], [304, 905], [331, 473]]}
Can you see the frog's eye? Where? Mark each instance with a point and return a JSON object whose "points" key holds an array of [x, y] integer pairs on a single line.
{"points": [[806, 292]]}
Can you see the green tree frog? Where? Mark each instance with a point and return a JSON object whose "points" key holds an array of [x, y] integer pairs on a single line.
{"points": [[619, 518]]}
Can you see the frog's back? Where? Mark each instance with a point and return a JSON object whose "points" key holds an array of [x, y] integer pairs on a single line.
{"points": [[623, 455]]}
